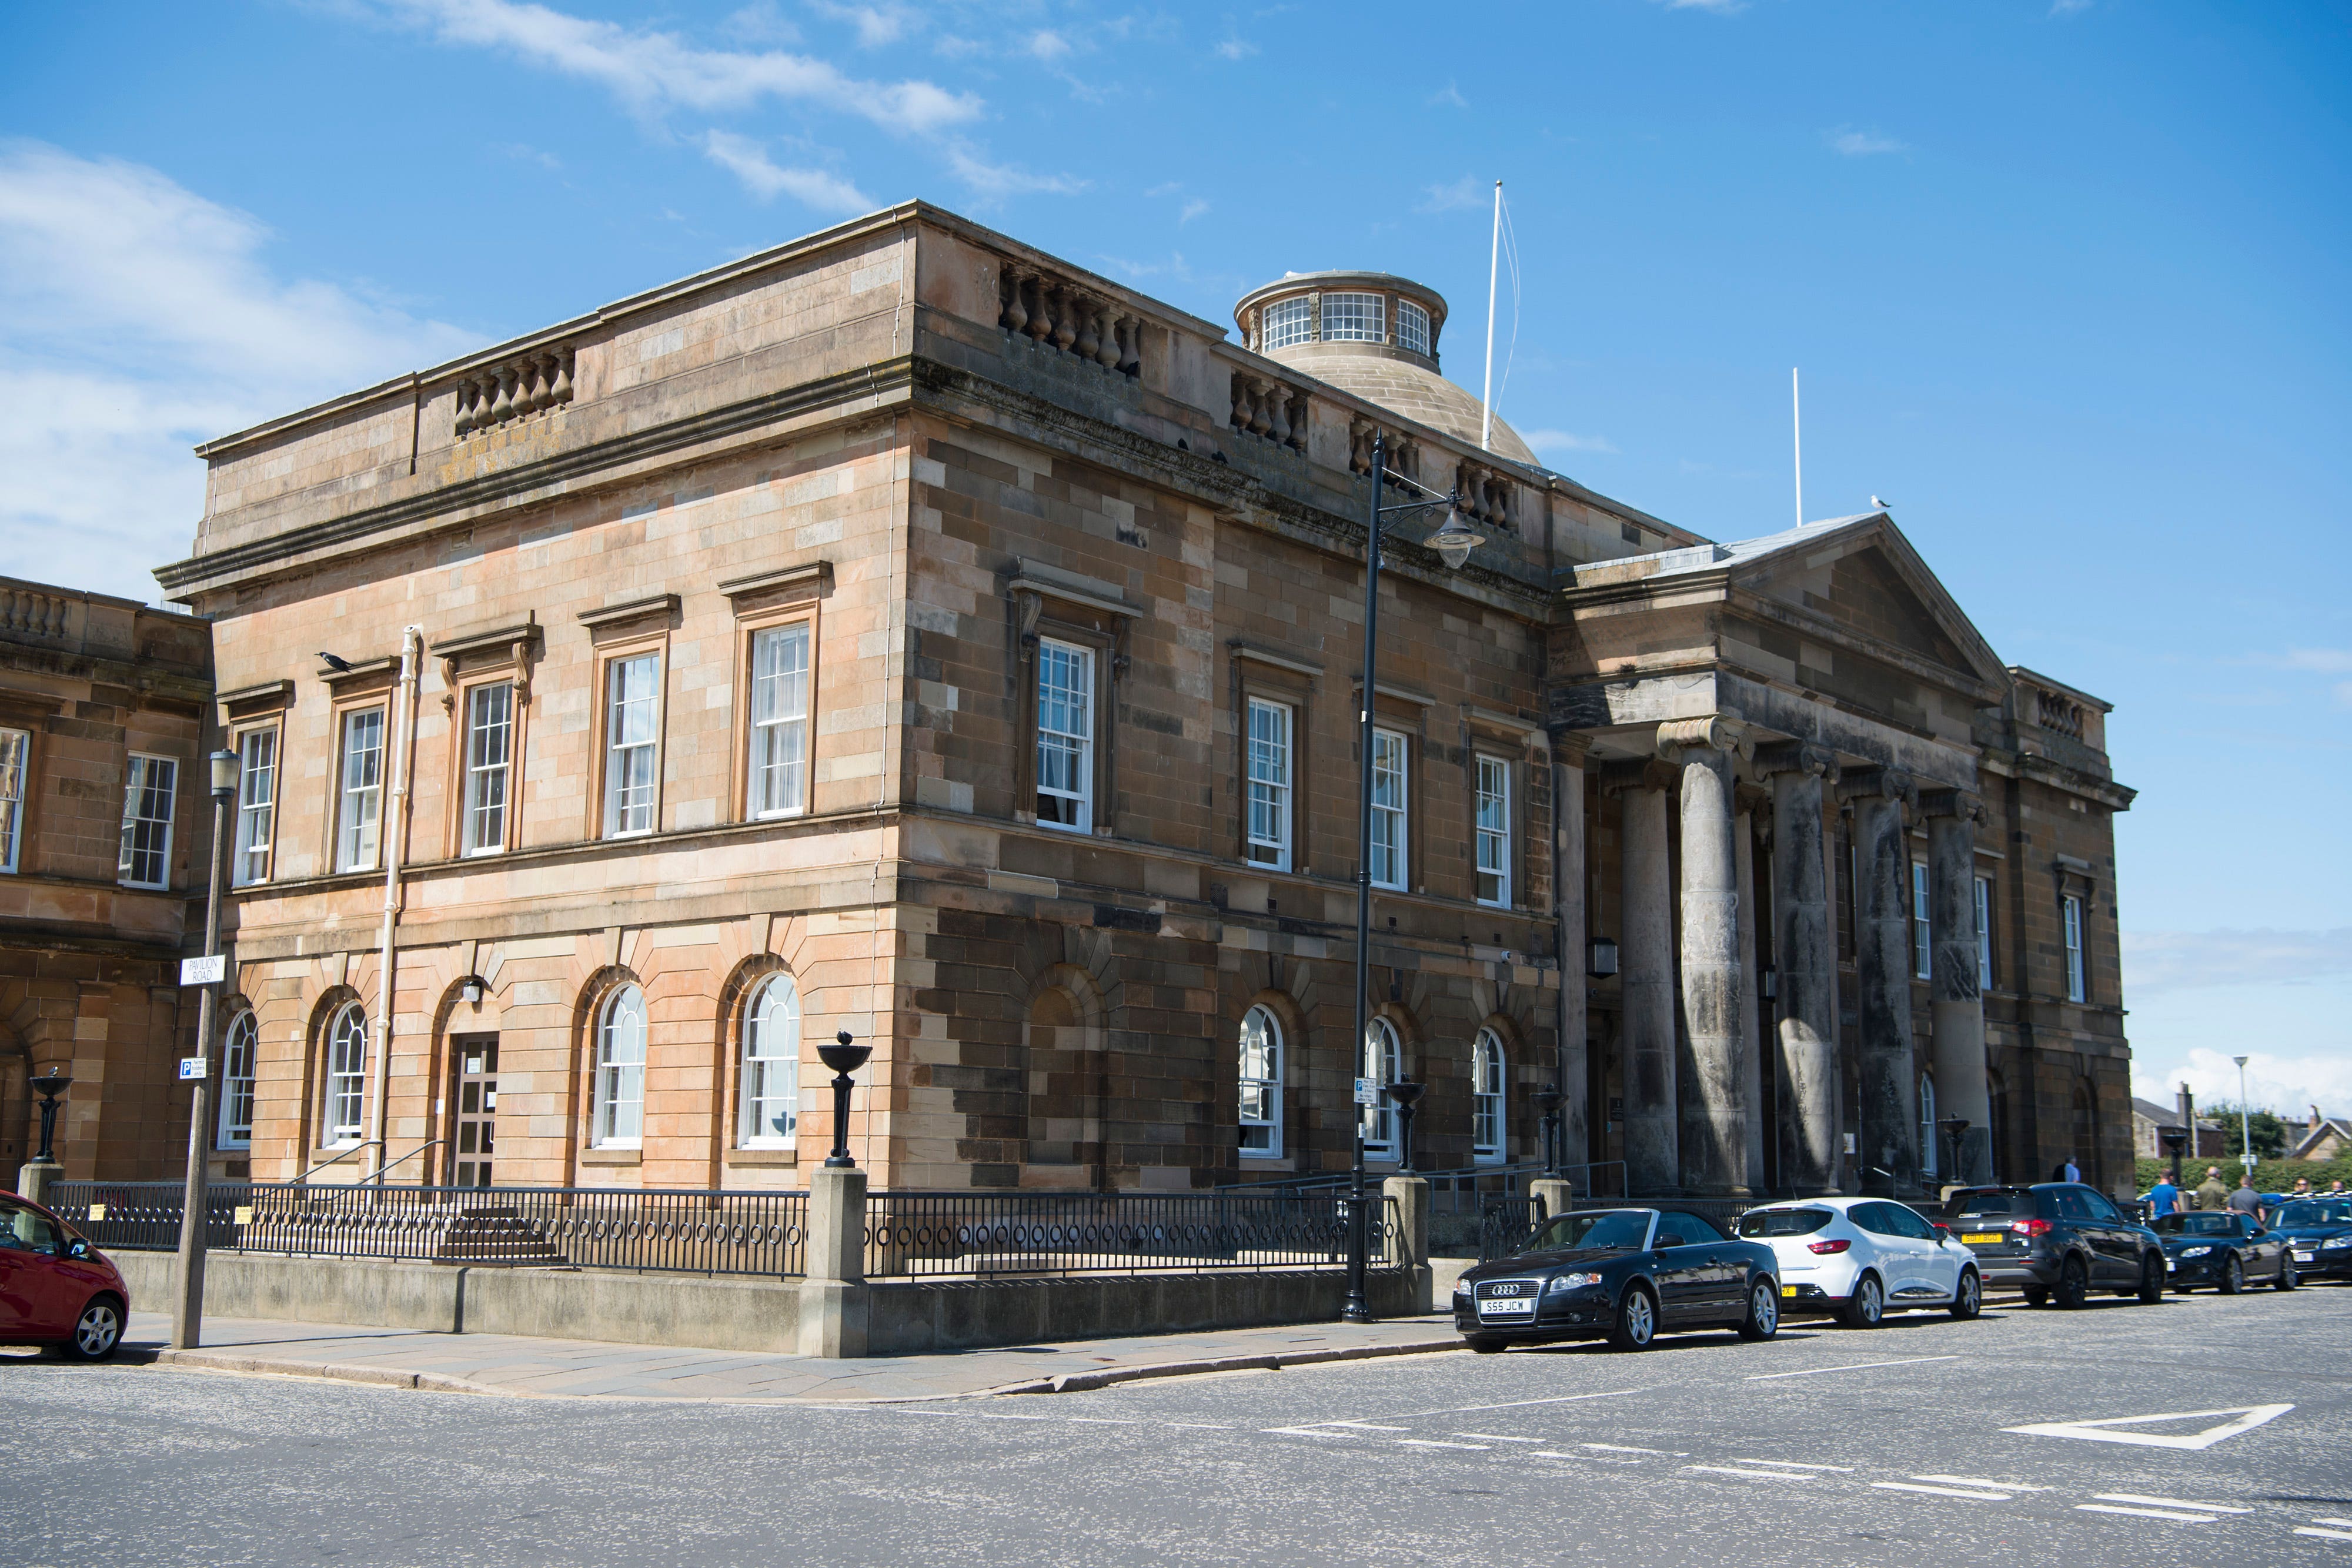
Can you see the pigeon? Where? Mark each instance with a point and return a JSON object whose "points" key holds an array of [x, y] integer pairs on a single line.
{"points": [[335, 663], [1881, 506]]}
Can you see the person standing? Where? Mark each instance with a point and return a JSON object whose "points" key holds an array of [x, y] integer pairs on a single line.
{"points": [[2246, 1200], [2212, 1194], [2163, 1198]]}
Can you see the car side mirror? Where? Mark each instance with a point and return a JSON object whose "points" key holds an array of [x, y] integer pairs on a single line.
{"points": [[80, 1248], [1670, 1238]]}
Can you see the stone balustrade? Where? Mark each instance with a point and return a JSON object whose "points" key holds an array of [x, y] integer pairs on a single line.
{"points": [[1273, 409], [28, 612], [1485, 495], [516, 388], [1403, 451], [2059, 714], [1058, 314]]}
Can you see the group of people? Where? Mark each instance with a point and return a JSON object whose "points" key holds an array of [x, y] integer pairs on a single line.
{"points": [[2214, 1194]]}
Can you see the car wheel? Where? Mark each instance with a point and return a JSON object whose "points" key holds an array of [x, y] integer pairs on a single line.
{"points": [[98, 1332], [2073, 1284], [2151, 1279], [1483, 1343], [1637, 1320], [1969, 1301], [1867, 1306], [2037, 1295], [2287, 1278], [2233, 1276], [1763, 1319]]}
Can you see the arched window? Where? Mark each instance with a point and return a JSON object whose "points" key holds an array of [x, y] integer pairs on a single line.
{"points": [[620, 1116], [1488, 1142], [1261, 1084], [772, 1059], [346, 1074], [1383, 1064], [235, 1130], [1929, 1134]]}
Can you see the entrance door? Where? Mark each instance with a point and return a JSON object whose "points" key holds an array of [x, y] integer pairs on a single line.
{"points": [[478, 1109]]}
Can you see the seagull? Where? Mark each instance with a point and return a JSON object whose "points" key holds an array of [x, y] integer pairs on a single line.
{"points": [[333, 662], [1882, 506]]}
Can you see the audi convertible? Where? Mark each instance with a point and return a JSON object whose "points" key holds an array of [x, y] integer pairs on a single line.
{"points": [[1625, 1275]]}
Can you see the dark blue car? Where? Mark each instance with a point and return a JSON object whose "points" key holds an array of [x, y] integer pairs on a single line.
{"points": [[2227, 1251], [2319, 1230]]}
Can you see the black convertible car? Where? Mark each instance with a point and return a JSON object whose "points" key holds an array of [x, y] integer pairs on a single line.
{"points": [[2319, 1230], [1621, 1274], [2227, 1251]]}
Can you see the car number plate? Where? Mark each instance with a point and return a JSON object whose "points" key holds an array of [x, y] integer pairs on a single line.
{"points": [[1508, 1307], [2302, 1257], [1788, 1289], [1984, 1238], [2171, 1264]]}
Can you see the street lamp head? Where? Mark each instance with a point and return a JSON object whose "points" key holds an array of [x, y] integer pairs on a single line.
{"points": [[843, 1056], [471, 988], [2241, 1060], [1600, 957], [1405, 1092], [1546, 1099], [224, 771], [52, 1084], [1454, 541]]}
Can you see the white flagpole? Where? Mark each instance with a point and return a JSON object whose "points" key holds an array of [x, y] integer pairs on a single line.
{"points": [[1494, 262], [1797, 431]]}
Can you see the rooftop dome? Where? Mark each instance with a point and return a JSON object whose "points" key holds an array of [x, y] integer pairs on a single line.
{"points": [[1373, 334]]}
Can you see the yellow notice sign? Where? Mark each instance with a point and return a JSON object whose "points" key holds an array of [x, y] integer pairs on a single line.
{"points": [[244, 1214], [97, 1211]]}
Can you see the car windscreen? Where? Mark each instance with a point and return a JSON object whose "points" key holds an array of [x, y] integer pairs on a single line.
{"points": [[1990, 1204], [1770, 1222], [2197, 1225], [1625, 1230], [2317, 1212]]}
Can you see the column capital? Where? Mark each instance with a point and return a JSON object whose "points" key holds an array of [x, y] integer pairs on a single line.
{"points": [[1750, 798], [1965, 804], [1796, 757], [1641, 773], [1870, 783], [1715, 732], [1570, 748]]}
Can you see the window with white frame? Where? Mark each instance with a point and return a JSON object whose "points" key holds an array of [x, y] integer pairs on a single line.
{"points": [[1383, 1063], [771, 1064], [1388, 846], [1065, 750], [256, 806], [1284, 322], [780, 707], [1413, 327], [490, 758], [148, 789], [346, 1075], [631, 744], [1355, 318], [1488, 1138], [236, 1129], [1494, 831], [1922, 947], [620, 1106], [15, 754], [1927, 1134], [1261, 1084], [1984, 933], [2077, 985], [1269, 784], [359, 812]]}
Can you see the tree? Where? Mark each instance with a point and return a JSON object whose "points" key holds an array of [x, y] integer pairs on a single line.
{"points": [[2268, 1129]]}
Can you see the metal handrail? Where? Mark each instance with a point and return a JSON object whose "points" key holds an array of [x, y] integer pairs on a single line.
{"points": [[347, 1154], [406, 1157]]}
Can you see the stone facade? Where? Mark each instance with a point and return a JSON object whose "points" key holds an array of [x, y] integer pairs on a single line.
{"points": [[974, 644]]}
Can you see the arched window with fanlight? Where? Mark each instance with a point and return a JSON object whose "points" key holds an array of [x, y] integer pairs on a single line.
{"points": [[236, 1128], [620, 1104], [1383, 1062], [346, 1075], [1489, 1142], [1260, 1085], [772, 1058], [1929, 1133]]}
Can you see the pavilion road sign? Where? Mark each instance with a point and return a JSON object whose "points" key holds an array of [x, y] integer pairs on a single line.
{"points": [[192, 1068], [209, 971], [1368, 1092]]}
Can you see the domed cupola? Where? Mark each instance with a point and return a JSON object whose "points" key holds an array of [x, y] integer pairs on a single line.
{"points": [[1373, 334]]}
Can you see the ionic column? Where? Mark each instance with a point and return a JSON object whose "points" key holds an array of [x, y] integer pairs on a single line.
{"points": [[1712, 1109], [1646, 983], [1746, 798], [1888, 1112], [1958, 1005], [1804, 955], [1568, 754]]}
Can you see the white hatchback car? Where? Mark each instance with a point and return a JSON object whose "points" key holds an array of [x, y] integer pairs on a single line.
{"points": [[1861, 1258]]}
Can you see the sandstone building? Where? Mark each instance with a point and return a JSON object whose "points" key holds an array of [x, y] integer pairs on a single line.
{"points": [[908, 632]]}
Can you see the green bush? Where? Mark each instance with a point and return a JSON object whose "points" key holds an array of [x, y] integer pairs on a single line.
{"points": [[2270, 1176]]}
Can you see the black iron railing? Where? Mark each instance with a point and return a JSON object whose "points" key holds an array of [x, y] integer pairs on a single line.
{"points": [[982, 1235]]}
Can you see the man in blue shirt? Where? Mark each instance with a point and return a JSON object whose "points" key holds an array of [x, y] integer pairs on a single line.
{"points": [[2164, 1198]]}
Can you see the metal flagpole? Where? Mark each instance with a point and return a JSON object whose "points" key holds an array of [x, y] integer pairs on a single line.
{"points": [[1486, 396], [1796, 431]]}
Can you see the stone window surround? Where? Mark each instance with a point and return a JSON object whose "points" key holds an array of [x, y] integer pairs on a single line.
{"points": [[500, 654], [364, 686], [1048, 602], [238, 732], [1285, 1033], [324, 1145], [762, 602], [588, 1070], [1403, 712], [1291, 683], [627, 630], [1524, 745], [735, 1003], [235, 1010], [2074, 879], [18, 813]]}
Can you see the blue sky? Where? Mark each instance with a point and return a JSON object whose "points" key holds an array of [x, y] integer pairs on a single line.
{"points": [[2068, 283]]}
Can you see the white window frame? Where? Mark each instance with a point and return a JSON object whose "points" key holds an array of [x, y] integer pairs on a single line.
{"points": [[1351, 316], [771, 1066], [1268, 728], [1493, 780], [1076, 708], [1284, 322], [1413, 326], [1984, 933], [346, 1079], [618, 1111], [1259, 1067], [1923, 946], [1490, 1136], [1392, 847], [489, 769], [139, 795], [776, 779], [2078, 987], [1927, 1130], [239, 1047], [16, 762], [256, 806], [632, 745], [1383, 1060], [359, 790]]}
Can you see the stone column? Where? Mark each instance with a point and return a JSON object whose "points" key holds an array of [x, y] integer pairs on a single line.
{"points": [[1568, 899], [1746, 798], [1712, 1109], [1889, 1110], [1408, 1249], [1804, 955], [1958, 1005], [1646, 981], [1555, 1195], [833, 1308]]}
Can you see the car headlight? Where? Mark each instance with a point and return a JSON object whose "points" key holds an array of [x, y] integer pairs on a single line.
{"points": [[1461, 1289], [1571, 1281], [2344, 1240], [2195, 1252]]}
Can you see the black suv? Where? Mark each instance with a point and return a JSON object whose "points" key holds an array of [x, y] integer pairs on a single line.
{"points": [[2056, 1239]]}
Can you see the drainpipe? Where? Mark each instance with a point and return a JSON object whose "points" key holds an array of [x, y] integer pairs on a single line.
{"points": [[403, 741]]}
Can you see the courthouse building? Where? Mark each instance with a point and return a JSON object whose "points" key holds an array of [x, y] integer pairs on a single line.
{"points": [[907, 633]]}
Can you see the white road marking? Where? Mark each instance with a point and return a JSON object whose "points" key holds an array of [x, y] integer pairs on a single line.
{"points": [[1313, 1432], [1980, 1481], [1793, 1465], [1943, 1491], [1434, 1443], [1752, 1475], [992, 1416], [1619, 1449], [2167, 1502], [2244, 1418], [1099, 1421], [1201, 1425], [1361, 1426], [1518, 1403], [1497, 1437], [1857, 1366], [2144, 1513], [1580, 1459], [2322, 1519], [2325, 1535]]}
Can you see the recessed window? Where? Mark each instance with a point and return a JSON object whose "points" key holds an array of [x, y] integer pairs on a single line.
{"points": [[490, 758], [1388, 846], [1494, 831], [1413, 327], [1284, 322], [1984, 933], [2077, 984], [772, 1058], [1922, 945], [1269, 784], [631, 744], [779, 739], [620, 1108], [147, 791], [235, 1130], [1355, 318], [16, 749], [1383, 1064], [360, 809], [256, 806], [1066, 754], [1927, 1125], [1488, 1139], [1261, 1084], [346, 1075]]}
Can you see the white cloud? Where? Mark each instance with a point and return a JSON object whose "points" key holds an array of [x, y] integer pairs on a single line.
{"points": [[996, 181], [1468, 192], [1236, 49], [1192, 209], [1047, 45], [876, 25], [1566, 441], [2289, 1085], [2069, 7], [1714, 7], [137, 319], [1449, 96], [748, 160], [2156, 962], [1864, 143]]}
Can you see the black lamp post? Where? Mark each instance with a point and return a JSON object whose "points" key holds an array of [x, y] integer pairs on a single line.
{"points": [[49, 1088], [2175, 1141], [195, 1201], [1405, 1092], [1548, 1102], [1453, 542], [844, 1058]]}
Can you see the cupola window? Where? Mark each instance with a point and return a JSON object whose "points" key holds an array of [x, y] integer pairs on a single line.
{"points": [[1355, 318]]}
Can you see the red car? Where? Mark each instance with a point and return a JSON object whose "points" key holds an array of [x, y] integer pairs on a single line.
{"points": [[56, 1288]]}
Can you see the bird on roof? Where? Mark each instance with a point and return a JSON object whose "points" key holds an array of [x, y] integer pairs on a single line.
{"points": [[332, 663], [1881, 506]]}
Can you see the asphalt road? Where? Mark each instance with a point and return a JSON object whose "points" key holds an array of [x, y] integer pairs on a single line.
{"points": [[1827, 1446]]}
